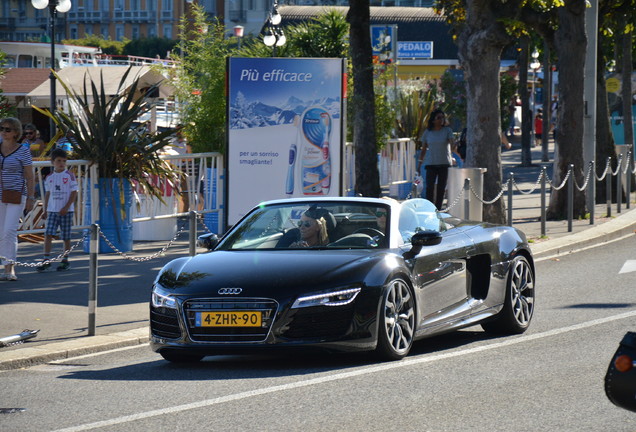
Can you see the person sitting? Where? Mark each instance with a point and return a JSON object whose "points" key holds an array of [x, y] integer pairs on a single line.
{"points": [[313, 230], [32, 141]]}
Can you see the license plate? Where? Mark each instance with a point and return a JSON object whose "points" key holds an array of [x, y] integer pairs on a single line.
{"points": [[228, 319]]}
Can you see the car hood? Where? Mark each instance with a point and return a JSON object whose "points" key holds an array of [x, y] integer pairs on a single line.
{"points": [[267, 272]]}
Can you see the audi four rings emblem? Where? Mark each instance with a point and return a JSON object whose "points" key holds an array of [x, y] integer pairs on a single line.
{"points": [[230, 291]]}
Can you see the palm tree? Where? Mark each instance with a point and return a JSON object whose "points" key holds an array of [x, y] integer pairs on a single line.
{"points": [[105, 132]]}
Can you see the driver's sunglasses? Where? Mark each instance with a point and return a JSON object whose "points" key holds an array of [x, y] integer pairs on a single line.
{"points": [[29, 132], [307, 224], [380, 214]]}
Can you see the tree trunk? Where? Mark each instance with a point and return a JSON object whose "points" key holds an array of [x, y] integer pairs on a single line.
{"points": [[480, 43], [626, 88], [526, 111], [547, 101], [570, 42], [363, 100], [604, 136]]}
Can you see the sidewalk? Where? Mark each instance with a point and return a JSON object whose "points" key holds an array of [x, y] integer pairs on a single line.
{"points": [[56, 302], [526, 214]]}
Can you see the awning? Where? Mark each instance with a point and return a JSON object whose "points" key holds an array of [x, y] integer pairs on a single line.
{"points": [[75, 77]]}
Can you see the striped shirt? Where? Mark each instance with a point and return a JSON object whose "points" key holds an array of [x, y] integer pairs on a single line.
{"points": [[60, 185], [12, 167]]}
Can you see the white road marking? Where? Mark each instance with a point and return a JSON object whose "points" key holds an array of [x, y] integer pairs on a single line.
{"points": [[95, 354], [629, 266], [345, 375], [557, 255]]}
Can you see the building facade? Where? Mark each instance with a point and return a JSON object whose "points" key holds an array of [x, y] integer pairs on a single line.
{"points": [[114, 19], [133, 19]]}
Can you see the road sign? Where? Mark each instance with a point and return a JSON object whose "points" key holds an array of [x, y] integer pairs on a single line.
{"points": [[415, 49], [383, 40]]}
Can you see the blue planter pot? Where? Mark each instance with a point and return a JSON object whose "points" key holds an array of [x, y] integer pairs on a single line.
{"points": [[115, 216]]}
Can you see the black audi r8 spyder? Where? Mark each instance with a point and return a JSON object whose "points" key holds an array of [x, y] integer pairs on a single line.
{"points": [[343, 274]]}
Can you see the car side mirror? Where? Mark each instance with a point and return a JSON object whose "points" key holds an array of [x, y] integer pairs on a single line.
{"points": [[208, 241], [421, 239]]}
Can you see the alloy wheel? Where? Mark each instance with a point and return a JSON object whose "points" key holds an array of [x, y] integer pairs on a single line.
{"points": [[399, 316], [522, 293]]}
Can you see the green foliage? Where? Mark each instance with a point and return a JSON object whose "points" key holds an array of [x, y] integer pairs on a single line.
{"points": [[323, 36], [507, 93], [416, 100], [384, 110], [454, 93], [150, 47], [105, 134], [107, 46], [6, 109], [200, 81]]}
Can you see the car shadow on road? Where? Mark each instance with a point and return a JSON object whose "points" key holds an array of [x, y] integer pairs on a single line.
{"points": [[600, 306], [275, 365]]}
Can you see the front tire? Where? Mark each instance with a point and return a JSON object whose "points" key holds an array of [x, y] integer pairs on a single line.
{"points": [[518, 308], [397, 321]]}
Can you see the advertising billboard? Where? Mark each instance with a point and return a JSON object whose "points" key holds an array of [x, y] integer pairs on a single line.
{"points": [[285, 130]]}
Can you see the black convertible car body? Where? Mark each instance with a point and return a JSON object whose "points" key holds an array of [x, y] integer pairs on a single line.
{"points": [[389, 273]]}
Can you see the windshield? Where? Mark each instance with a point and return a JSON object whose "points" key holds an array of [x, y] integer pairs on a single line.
{"points": [[327, 225]]}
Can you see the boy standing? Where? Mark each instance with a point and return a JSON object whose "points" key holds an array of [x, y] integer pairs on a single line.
{"points": [[61, 192]]}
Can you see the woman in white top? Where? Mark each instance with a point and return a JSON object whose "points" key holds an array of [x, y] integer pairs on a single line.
{"points": [[16, 175], [438, 145]]}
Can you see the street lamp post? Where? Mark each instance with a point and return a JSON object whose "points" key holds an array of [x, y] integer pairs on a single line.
{"points": [[274, 35], [535, 65], [54, 6], [238, 33]]}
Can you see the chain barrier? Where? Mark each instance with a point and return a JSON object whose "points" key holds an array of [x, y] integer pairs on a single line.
{"points": [[607, 168], [499, 195], [202, 221], [537, 184], [534, 187], [146, 258], [619, 164], [455, 202], [587, 178], [565, 180], [58, 258], [627, 159]]}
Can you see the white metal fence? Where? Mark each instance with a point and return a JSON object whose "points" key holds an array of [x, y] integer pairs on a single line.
{"points": [[199, 177]]}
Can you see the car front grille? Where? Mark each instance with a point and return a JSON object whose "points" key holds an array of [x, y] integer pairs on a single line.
{"points": [[229, 334], [164, 322], [319, 321]]}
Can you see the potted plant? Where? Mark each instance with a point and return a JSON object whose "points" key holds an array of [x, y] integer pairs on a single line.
{"points": [[105, 131]]}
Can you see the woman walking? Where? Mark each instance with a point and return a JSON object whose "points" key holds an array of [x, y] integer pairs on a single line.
{"points": [[439, 145], [16, 191]]}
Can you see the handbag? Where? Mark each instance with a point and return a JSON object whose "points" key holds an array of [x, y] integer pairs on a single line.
{"points": [[10, 196]]}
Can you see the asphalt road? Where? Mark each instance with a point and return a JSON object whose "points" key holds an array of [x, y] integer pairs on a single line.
{"points": [[550, 378]]}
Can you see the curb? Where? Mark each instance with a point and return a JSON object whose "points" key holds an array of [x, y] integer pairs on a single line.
{"points": [[62, 350], [619, 227]]}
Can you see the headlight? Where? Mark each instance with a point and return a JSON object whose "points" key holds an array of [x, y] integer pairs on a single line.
{"points": [[162, 298], [335, 298]]}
